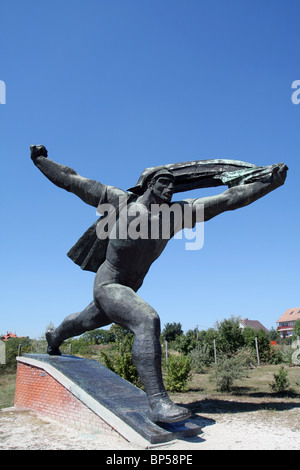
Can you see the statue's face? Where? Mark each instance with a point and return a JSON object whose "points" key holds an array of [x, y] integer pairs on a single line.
{"points": [[164, 187]]}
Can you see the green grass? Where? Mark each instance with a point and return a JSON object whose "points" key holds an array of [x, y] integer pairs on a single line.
{"points": [[7, 389], [254, 385], [252, 393]]}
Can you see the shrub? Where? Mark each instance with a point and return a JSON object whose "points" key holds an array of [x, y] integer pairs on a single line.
{"points": [[281, 382], [287, 353], [120, 361], [79, 346], [246, 357], [226, 372], [276, 354], [178, 373], [200, 358]]}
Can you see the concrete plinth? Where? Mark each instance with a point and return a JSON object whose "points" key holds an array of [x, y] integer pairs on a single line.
{"points": [[84, 392]]}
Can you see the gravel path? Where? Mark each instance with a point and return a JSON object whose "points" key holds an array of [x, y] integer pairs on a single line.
{"points": [[255, 430]]}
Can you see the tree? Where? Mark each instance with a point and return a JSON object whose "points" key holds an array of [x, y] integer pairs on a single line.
{"points": [[99, 336], [119, 333], [297, 328], [178, 373], [185, 343], [226, 371], [206, 339], [80, 346], [274, 334], [263, 340], [171, 331], [230, 336]]}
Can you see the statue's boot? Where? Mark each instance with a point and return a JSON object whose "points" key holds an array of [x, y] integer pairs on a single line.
{"points": [[163, 410], [73, 325], [52, 348]]}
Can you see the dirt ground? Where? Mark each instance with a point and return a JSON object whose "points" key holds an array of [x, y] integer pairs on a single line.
{"points": [[226, 425]]}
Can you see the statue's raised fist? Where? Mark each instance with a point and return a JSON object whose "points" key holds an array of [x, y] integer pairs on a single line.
{"points": [[38, 151]]}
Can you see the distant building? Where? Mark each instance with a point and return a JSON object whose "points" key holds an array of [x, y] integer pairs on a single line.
{"points": [[287, 322], [253, 324]]}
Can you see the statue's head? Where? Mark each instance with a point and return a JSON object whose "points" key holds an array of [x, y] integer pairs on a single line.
{"points": [[159, 179], [161, 183]]}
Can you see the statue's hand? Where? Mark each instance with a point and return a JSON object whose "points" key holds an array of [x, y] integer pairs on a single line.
{"points": [[38, 151], [279, 174]]}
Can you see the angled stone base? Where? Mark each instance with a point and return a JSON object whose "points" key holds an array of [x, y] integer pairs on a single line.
{"points": [[82, 392]]}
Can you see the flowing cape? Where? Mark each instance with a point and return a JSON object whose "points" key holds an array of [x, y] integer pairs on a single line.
{"points": [[207, 173], [90, 252]]}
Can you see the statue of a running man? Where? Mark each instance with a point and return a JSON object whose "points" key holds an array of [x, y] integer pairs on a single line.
{"points": [[121, 264]]}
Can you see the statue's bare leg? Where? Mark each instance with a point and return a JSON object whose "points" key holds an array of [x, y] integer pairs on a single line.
{"points": [[76, 324], [124, 307]]}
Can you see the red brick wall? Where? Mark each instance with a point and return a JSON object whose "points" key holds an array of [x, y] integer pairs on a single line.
{"points": [[39, 391]]}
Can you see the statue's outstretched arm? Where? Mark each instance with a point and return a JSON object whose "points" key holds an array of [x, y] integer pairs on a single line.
{"points": [[90, 191], [243, 195]]}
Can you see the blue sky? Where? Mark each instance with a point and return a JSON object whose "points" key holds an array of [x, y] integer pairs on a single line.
{"points": [[111, 87]]}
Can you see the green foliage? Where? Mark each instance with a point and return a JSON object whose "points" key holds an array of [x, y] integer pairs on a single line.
{"points": [[287, 354], [119, 333], [274, 334], [276, 355], [226, 371], [281, 382], [200, 358], [84, 345], [246, 357], [120, 360], [263, 340], [178, 373], [99, 336], [7, 388], [297, 328], [230, 336], [206, 339], [171, 331], [11, 352], [185, 343], [38, 346]]}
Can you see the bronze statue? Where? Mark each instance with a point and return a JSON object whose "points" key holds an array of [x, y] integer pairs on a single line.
{"points": [[121, 263]]}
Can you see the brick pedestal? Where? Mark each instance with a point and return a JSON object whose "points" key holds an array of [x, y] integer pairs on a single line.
{"points": [[84, 393], [39, 391]]}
